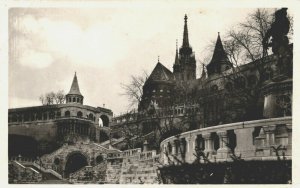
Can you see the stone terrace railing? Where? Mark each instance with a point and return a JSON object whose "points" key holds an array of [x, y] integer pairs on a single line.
{"points": [[252, 140]]}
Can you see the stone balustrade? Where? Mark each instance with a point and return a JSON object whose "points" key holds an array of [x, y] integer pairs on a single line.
{"points": [[265, 139]]}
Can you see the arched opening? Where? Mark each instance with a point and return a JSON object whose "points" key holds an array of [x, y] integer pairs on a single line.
{"points": [[231, 139], [103, 136], [91, 116], [67, 113], [105, 120], [25, 146], [99, 159], [216, 141], [75, 161], [200, 144], [79, 114]]}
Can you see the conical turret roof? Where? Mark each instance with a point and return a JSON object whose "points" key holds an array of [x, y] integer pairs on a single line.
{"points": [[219, 53], [74, 87]]}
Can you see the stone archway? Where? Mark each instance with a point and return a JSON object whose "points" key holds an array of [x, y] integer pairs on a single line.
{"points": [[105, 120], [74, 162]]}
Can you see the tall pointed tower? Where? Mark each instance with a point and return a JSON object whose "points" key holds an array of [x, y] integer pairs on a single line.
{"points": [[219, 61], [184, 67], [74, 95]]}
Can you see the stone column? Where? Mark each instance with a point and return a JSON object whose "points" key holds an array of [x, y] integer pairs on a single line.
{"points": [[190, 148], [173, 144], [223, 152], [208, 143]]}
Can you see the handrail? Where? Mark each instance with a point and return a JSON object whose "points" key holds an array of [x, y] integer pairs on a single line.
{"points": [[51, 171]]}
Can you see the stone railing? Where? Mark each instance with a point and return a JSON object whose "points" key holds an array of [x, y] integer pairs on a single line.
{"points": [[48, 170], [266, 139]]}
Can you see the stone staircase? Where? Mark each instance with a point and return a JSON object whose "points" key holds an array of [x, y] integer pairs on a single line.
{"points": [[21, 174], [90, 174]]}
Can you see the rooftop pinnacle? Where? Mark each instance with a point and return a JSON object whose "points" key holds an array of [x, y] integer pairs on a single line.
{"points": [[74, 87], [185, 42]]}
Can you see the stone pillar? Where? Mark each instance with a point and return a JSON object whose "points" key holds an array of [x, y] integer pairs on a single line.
{"points": [[173, 144], [244, 142], [208, 143], [223, 152], [190, 148], [270, 139], [289, 146]]}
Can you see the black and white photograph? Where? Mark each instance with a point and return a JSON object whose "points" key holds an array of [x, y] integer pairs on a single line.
{"points": [[141, 92]]}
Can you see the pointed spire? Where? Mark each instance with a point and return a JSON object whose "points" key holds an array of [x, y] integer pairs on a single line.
{"points": [[176, 56], [158, 59], [74, 87], [219, 61], [219, 52], [185, 42]]}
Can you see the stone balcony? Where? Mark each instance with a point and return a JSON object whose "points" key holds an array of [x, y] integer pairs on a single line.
{"points": [[265, 139]]}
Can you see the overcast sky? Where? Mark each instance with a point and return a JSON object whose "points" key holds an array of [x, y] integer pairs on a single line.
{"points": [[103, 45]]}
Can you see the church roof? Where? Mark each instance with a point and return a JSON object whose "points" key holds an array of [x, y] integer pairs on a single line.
{"points": [[219, 53], [161, 73], [74, 87]]}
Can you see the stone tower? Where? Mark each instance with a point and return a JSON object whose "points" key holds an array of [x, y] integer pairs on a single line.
{"points": [[184, 67], [74, 95], [219, 61]]}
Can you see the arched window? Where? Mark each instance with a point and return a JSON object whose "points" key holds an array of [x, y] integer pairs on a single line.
{"points": [[26, 117], [51, 115], [91, 116], [79, 114], [74, 100], [45, 116], [39, 116], [77, 99], [67, 113]]}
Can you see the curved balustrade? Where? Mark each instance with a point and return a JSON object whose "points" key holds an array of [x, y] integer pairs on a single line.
{"points": [[265, 139]]}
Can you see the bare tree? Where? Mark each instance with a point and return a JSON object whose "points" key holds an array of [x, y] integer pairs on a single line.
{"points": [[50, 98], [134, 89], [60, 97], [42, 99]]}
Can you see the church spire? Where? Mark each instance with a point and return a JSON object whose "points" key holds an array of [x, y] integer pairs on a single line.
{"points": [[185, 42], [176, 56]]}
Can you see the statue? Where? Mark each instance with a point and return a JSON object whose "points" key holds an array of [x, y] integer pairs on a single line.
{"points": [[278, 31]]}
